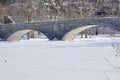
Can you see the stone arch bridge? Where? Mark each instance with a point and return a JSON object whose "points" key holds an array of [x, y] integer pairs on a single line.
{"points": [[62, 30]]}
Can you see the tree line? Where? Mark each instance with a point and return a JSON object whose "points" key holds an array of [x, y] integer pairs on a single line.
{"points": [[41, 10]]}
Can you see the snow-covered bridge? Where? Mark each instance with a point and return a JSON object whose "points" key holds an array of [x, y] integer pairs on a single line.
{"points": [[62, 30]]}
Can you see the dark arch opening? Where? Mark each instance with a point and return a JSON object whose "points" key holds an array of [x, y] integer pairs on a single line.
{"points": [[69, 36], [73, 33], [16, 36]]}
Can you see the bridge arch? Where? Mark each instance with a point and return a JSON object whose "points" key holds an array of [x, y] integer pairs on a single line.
{"points": [[69, 36], [62, 30], [16, 36], [73, 33]]}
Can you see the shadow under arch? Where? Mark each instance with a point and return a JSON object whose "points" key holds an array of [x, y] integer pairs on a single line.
{"points": [[16, 36], [72, 34]]}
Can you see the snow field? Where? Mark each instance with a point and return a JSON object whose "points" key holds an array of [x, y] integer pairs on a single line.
{"points": [[81, 59]]}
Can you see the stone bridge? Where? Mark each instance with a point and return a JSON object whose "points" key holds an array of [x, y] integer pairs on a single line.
{"points": [[61, 30]]}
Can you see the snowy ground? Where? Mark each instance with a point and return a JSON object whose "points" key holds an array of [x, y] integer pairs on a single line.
{"points": [[81, 59]]}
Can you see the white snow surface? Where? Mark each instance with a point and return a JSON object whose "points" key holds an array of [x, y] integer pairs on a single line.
{"points": [[81, 59]]}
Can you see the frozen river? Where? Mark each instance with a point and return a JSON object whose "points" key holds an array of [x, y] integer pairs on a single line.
{"points": [[81, 59]]}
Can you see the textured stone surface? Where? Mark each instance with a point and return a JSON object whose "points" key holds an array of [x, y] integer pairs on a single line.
{"points": [[57, 29]]}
